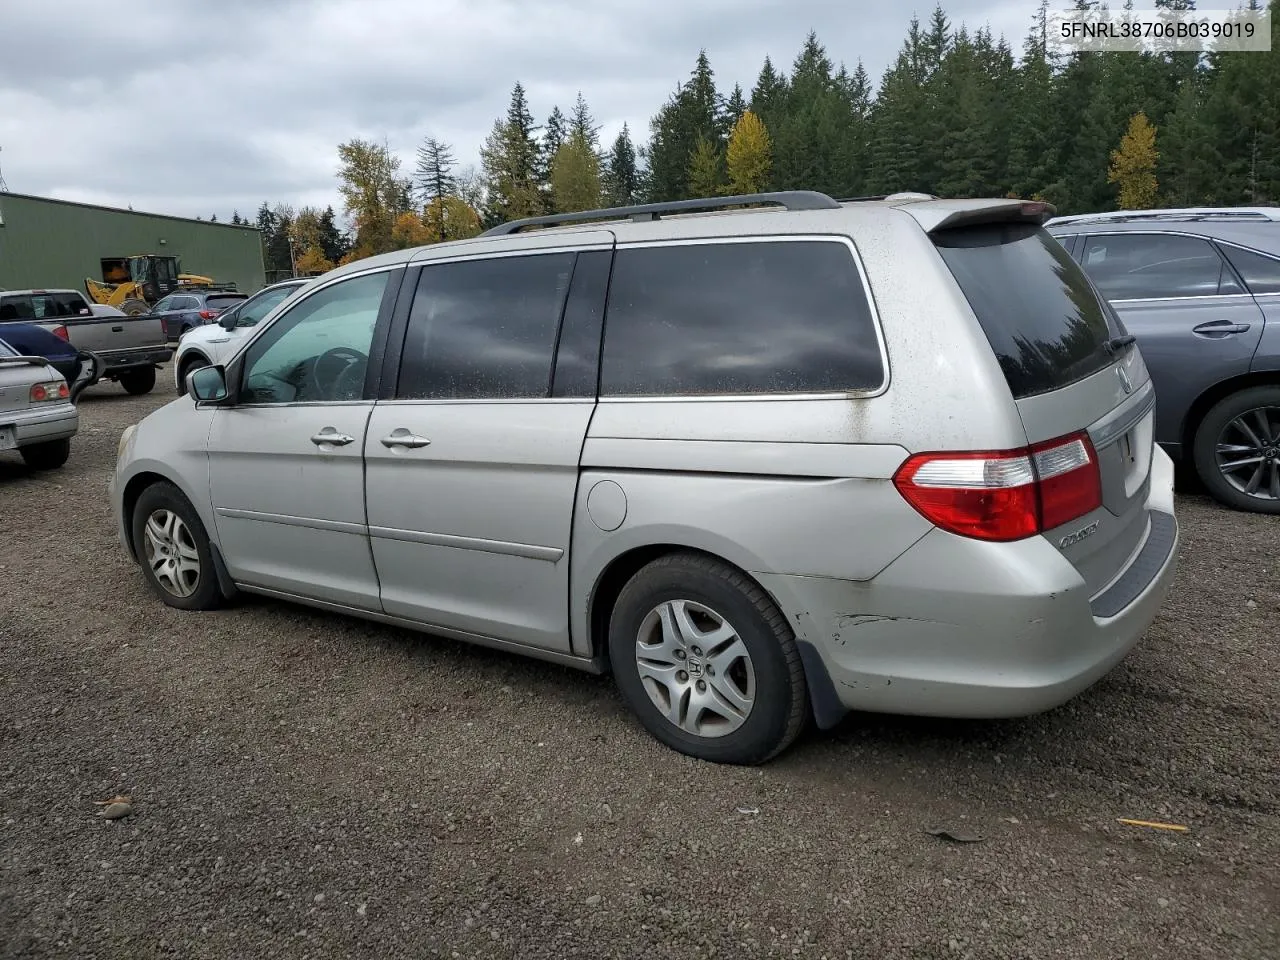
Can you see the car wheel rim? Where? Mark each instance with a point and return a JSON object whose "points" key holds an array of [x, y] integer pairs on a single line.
{"points": [[171, 553], [695, 668], [1248, 453]]}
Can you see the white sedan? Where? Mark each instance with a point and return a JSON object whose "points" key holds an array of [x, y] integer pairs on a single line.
{"points": [[214, 343], [37, 417]]}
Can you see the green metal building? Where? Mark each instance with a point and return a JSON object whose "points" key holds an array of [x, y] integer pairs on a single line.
{"points": [[48, 243]]}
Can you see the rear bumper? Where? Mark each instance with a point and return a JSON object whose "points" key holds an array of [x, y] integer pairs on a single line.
{"points": [[961, 628], [42, 425], [117, 361]]}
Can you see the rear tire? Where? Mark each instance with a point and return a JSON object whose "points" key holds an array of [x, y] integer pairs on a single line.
{"points": [[193, 362], [173, 549], [1231, 432], [140, 381], [732, 681], [49, 455]]}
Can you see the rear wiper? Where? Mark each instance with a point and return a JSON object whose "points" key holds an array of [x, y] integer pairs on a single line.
{"points": [[1116, 344]]}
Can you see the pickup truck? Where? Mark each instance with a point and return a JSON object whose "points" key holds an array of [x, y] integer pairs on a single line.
{"points": [[131, 348]]}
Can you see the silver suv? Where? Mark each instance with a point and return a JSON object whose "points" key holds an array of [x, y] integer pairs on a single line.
{"points": [[1200, 288], [762, 464]]}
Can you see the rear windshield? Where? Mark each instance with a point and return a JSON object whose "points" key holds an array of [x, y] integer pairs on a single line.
{"points": [[223, 302], [1044, 321]]}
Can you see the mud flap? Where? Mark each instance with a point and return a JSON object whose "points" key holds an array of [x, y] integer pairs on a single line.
{"points": [[827, 708], [91, 368]]}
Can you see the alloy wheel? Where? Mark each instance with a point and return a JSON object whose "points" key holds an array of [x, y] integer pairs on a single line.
{"points": [[695, 668], [1248, 453]]}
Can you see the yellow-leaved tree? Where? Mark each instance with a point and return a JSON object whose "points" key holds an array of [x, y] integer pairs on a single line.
{"points": [[750, 156], [313, 260], [1133, 165], [450, 218], [575, 176]]}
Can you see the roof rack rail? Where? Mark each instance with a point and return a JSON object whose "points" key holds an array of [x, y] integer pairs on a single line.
{"points": [[789, 199], [1174, 213]]}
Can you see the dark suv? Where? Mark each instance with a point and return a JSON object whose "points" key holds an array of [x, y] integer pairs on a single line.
{"points": [[182, 310], [1200, 289]]}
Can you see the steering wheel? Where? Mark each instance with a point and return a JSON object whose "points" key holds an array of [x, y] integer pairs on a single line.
{"points": [[338, 374]]}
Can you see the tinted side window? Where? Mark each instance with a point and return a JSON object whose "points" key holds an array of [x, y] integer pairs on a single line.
{"points": [[485, 329], [166, 303], [1143, 266], [16, 308], [1261, 274], [738, 318]]}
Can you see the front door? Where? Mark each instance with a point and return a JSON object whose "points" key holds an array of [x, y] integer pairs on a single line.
{"points": [[286, 464], [472, 467], [1196, 325]]}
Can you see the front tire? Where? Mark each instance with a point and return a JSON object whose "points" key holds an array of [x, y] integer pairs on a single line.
{"points": [[193, 362], [134, 307], [173, 549], [1237, 450], [707, 661], [49, 455], [140, 381]]}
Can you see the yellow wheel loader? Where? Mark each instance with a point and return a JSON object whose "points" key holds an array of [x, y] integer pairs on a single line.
{"points": [[135, 284]]}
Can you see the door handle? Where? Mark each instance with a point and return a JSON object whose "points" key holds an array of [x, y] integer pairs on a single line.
{"points": [[117, 329], [331, 436], [400, 437], [1221, 327]]}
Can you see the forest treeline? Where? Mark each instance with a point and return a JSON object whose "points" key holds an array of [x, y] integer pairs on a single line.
{"points": [[958, 113]]}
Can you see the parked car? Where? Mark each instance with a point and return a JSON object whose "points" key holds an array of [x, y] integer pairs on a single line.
{"points": [[1200, 289], [188, 309], [761, 464], [37, 417], [202, 346], [130, 348], [79, 368]]}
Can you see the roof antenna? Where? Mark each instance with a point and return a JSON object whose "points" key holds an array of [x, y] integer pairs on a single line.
{"points": [[4, 187]]}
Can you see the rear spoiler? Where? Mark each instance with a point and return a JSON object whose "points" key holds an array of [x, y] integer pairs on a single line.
{"points": [[935, 215], [32, 361]]}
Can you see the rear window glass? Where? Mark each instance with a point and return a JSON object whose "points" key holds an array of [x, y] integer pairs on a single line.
{"points": [[1046, 325], [222, 303], [739, 318]]}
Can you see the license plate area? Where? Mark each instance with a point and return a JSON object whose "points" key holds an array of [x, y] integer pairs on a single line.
{"points": [[8, 440]]}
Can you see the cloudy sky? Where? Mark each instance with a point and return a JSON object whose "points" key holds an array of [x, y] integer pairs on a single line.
{"points": [[193, 107]]}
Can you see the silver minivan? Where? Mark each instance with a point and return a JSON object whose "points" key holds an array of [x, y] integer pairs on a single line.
{"points": [[764, 458]]}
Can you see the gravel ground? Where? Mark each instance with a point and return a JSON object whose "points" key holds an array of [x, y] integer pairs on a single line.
{"points": [[309, 786]]}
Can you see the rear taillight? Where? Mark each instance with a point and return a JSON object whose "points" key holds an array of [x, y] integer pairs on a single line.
{"points": [[53, 390], [60, 331], [1007, 494], [208, 314]]}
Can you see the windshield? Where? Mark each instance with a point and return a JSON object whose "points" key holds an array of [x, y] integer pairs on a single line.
{"points": [[261, 305]]}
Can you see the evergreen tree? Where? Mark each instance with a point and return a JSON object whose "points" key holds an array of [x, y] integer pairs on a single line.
{"points": [[509, 159], [705, 178], [575, 174], [435, 182], [769, 93], [686, 121], [583, 125], [621, 179], [734, 107]]}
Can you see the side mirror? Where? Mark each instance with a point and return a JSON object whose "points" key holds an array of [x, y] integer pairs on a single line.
{"points": [[207, 384], [227, 323]]}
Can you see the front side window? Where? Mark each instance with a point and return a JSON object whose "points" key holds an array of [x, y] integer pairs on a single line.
{"points": [[318, 352], [1145, 266], [165, 304], [739, 318], [485, 329]]}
